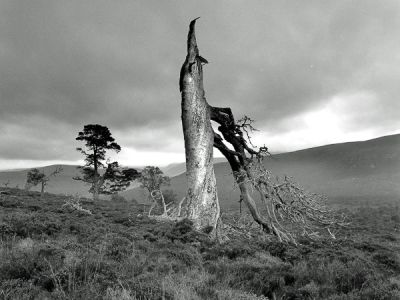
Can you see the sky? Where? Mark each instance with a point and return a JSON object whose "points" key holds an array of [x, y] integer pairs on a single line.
{"points": [[309, 72]]}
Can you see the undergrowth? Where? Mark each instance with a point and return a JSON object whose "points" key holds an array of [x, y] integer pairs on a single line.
{"points": [[48, 251]]}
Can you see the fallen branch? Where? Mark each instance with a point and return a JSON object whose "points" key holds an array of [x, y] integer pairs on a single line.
{"points": [[74, 203]]}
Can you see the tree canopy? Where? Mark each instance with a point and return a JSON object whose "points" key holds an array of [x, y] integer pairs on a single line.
{"points": [[35, 176], [151, 179], [104, 177]]}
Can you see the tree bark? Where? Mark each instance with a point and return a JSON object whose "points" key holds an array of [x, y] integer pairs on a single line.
{"points": [[96, 186], [42, 189], [95, 192], [201, 206]]}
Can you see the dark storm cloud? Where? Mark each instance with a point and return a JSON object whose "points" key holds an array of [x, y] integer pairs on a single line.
{"points": [[76, 63], [64, 64], [38, 138], [296, 57]]}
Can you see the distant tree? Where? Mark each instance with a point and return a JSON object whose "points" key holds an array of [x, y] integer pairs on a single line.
{"points": [[35, 177], [151, 179], [103, 176], [6, 183]]}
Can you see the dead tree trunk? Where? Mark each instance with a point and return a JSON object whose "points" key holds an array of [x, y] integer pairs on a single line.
{"points": [[201, 206], [284, 201]]}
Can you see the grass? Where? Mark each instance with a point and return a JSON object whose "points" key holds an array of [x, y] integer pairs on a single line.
{"points": [[51, 251]]}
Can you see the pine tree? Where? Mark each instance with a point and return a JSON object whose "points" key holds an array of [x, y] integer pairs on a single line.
{"points": [[104, 177]]}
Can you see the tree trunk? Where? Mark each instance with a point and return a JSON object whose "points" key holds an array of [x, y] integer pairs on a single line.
{"points": [[245, 188], [99, 181], [202, 206], [96, 186], [95, 193], [42, 190], [28, 186]]}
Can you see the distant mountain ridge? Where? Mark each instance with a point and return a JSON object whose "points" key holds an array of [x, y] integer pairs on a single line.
{"points": [[367, 169], [62, 183]]}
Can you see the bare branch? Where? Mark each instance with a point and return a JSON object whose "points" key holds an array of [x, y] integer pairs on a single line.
{"points": [[286, 204]]}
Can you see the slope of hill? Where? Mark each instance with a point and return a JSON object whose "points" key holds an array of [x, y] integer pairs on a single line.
{"points": [[176, 169], [62, 183], [366, 171]]}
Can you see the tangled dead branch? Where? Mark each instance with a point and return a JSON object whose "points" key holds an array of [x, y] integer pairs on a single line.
{"points": [[287, 206], [75, 203], [171, 210]]}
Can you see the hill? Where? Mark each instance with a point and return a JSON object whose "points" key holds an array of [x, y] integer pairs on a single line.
{"points": [[366, 171], [176, 169], [62, 183]]}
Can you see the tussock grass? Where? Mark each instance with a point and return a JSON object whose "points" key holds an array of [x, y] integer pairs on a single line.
{"points": [[48, 251]]}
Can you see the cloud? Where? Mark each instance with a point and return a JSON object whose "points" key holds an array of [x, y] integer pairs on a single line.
{"points": [[342, 118], [64, 64], [34, 138]]}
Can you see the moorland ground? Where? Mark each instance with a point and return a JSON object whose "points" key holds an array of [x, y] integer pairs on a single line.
{"points": [[49, 250]]}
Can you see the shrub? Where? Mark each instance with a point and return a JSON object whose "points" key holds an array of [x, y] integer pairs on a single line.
{"points": [[24, 225], [118, 247], [348, 277], [253, 277], [55, 253], [117, 198], [181, 231], [25, 261], [276, 248], [179, 255], [387, 260], [22, 290], [148, 286], [232, 250]]}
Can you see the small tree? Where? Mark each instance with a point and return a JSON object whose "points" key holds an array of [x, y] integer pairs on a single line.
{"points": [[34, 177], [151, 179], [103, 176]]}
